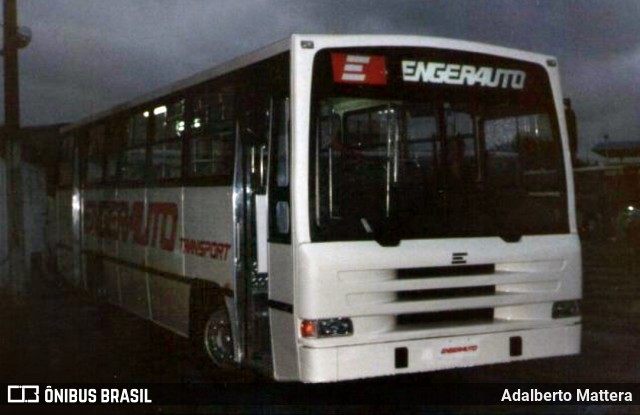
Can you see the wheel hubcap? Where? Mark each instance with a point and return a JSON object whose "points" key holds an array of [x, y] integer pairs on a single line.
{"points": [[218, 340]]}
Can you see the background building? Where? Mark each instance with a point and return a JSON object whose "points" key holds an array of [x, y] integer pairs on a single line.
{"points": [[37, 186], [608, 194]]}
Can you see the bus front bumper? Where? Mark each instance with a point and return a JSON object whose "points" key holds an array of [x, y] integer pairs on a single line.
{"points": [[392, 358]]}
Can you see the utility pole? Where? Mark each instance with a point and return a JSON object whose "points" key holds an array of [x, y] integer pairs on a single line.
{"points": [[17, 260]]}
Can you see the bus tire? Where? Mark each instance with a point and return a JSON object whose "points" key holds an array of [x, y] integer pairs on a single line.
{"points": [[218, 338]]}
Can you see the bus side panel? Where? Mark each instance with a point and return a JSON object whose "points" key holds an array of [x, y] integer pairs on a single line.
{"points": [[168, 291], [91, 221], [169, 299], [284, 326], [92, 224], [132, 255], [163, 251], [207, 234], [111, 272], [108, 284], [100, 232], [65, 234]]}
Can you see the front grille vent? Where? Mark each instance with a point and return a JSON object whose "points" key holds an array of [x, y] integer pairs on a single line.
{"points": [[445, 318], [455, 271], [447, 293]]}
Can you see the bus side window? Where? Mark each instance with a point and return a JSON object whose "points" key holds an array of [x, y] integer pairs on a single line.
{"points": [[94, 155], [168, 131], [133, 161], [255, 130], [117, 134], [279, 200], [281, 135], [212, 134], [65, 165]]}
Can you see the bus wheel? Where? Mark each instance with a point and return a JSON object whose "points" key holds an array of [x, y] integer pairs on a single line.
{"points": [[218, 338]]}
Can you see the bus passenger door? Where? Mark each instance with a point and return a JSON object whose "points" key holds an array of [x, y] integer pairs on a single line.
{"points": [[282, 323], [252, 267]]}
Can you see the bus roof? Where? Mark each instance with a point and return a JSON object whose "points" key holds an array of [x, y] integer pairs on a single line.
{"points": [[218, 70]]}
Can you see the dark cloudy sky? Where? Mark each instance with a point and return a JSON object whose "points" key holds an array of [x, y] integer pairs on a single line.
{"points": [[88, 55]]}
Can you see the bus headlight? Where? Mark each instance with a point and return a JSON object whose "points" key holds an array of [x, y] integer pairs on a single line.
{"points": [[330, 327], [569, 308]]}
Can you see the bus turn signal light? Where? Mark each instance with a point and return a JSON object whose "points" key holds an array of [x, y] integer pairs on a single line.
{"points": [[330, 327], [308, 328]]}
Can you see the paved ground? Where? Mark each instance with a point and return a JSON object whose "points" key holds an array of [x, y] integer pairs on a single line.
{"points": [[56, 335]]}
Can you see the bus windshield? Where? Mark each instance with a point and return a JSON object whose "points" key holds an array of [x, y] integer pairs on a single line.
{"points": [[423, 143]]}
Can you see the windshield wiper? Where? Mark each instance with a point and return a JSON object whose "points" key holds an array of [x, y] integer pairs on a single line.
{"points": [[510, 237], [385, 233]]}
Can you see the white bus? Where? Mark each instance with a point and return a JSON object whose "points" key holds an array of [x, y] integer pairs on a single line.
{"points": [[336, 207]]}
